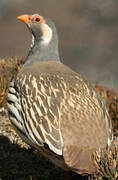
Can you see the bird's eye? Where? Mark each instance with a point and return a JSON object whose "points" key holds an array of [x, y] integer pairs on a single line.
{"points": [[37, 19]]}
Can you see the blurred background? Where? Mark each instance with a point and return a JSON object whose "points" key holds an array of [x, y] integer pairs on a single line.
{"points": [[88, 34]]}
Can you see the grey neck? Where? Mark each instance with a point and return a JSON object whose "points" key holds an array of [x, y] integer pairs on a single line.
{"points": [[42, 52]]}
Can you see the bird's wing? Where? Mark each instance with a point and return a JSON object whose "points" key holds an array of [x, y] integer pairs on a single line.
{"points": [[52, 108], [87, 127], [35, 110]]}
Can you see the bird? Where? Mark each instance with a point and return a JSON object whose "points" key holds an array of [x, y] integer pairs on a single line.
{"points": [[53, 108]]}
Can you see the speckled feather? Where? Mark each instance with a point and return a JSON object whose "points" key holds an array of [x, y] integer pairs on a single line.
{"points": [[60, 108]]}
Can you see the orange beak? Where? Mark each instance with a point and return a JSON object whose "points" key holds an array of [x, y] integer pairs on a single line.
{"points": [[25, 18]]}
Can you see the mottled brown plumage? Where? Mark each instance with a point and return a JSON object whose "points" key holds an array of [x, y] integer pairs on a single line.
{"points": [[55, 109], [61, 109]]}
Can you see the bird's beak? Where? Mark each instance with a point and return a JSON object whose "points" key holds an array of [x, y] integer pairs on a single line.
{"points": [[24, 18]]}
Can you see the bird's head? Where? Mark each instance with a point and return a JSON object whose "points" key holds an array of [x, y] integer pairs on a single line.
{"points": [[42, 28], [44, 44]]}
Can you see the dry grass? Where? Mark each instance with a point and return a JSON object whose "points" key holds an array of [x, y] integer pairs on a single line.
{"points": [[107, 163], [111, 98], [9, 67]]}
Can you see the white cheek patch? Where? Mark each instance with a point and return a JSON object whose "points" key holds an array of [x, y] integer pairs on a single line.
{"points": [[46, 34]]}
